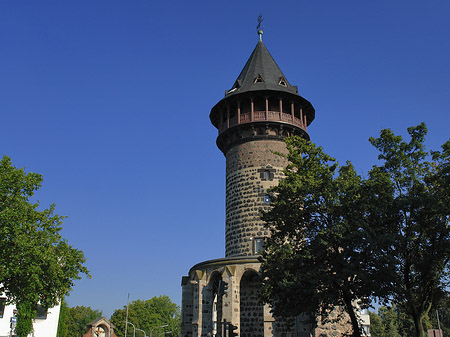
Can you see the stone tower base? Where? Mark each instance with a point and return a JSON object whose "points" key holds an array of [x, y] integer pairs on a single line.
{"points": [[221, 292]]}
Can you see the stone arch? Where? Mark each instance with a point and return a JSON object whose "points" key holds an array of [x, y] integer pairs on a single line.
{"points": [[212, 304], [251, 307], [102, 330], [100, 327]]}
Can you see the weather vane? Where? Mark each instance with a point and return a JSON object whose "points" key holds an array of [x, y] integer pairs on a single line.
{"points": [[258, 27]]}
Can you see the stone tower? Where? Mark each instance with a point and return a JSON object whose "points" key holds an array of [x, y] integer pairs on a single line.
{"points": [[260, 109], [252, 119]]}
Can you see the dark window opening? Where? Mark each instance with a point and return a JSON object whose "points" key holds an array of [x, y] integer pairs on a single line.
{"points": [[258, 79], [233, 109], [41, 312], [282, 82], [246, 106], [260, 104], [2, 306], [274, 104], [286, 107]]}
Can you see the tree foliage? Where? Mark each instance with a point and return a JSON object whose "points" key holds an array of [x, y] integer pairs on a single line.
{"points": [[392, 321], [73, 320], [317, 250], [148, 315], [443, 310], [62, 326], [418, 219], [338, 239], [38, 265]]}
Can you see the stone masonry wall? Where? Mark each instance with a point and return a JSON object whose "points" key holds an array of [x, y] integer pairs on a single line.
{"points": [[240, 305], [251, 307], [252, 168]]}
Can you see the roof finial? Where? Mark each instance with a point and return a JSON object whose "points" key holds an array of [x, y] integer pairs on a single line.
{"points": [[258, 27]]}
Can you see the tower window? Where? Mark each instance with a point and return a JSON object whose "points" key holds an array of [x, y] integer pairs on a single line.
{"points": [[258, 246], [258, 79], [282, 82], [267, 199], [266, 173], [41, 312]]}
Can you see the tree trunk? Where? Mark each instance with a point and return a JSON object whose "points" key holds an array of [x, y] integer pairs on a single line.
{"points": [[418, 326], [351, 313]]}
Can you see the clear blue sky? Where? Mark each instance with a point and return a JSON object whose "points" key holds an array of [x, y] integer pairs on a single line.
{"points": [[109, 100]]}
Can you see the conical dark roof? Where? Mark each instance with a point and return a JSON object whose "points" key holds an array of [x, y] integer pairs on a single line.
{"points": [[261, 72], [259, 77]]}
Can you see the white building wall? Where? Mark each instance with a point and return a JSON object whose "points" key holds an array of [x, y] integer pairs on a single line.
{"points": [[47, 327], [365, 322], [42, 327], [6, 321]]}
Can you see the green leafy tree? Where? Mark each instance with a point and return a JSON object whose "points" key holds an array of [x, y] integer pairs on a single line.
{"points": [[148, 315], [441, 308], [73, 320], [386, 323], [62, 326], [405, 323], [316, 250], [418, 219], [376, 325], [392, 321], [338, 239], [38, 265]]}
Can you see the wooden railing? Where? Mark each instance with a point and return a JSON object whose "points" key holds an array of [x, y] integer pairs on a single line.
{"points": [[259, 116]]}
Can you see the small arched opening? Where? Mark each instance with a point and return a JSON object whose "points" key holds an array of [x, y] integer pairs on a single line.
{"points": [[213, 303]]}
